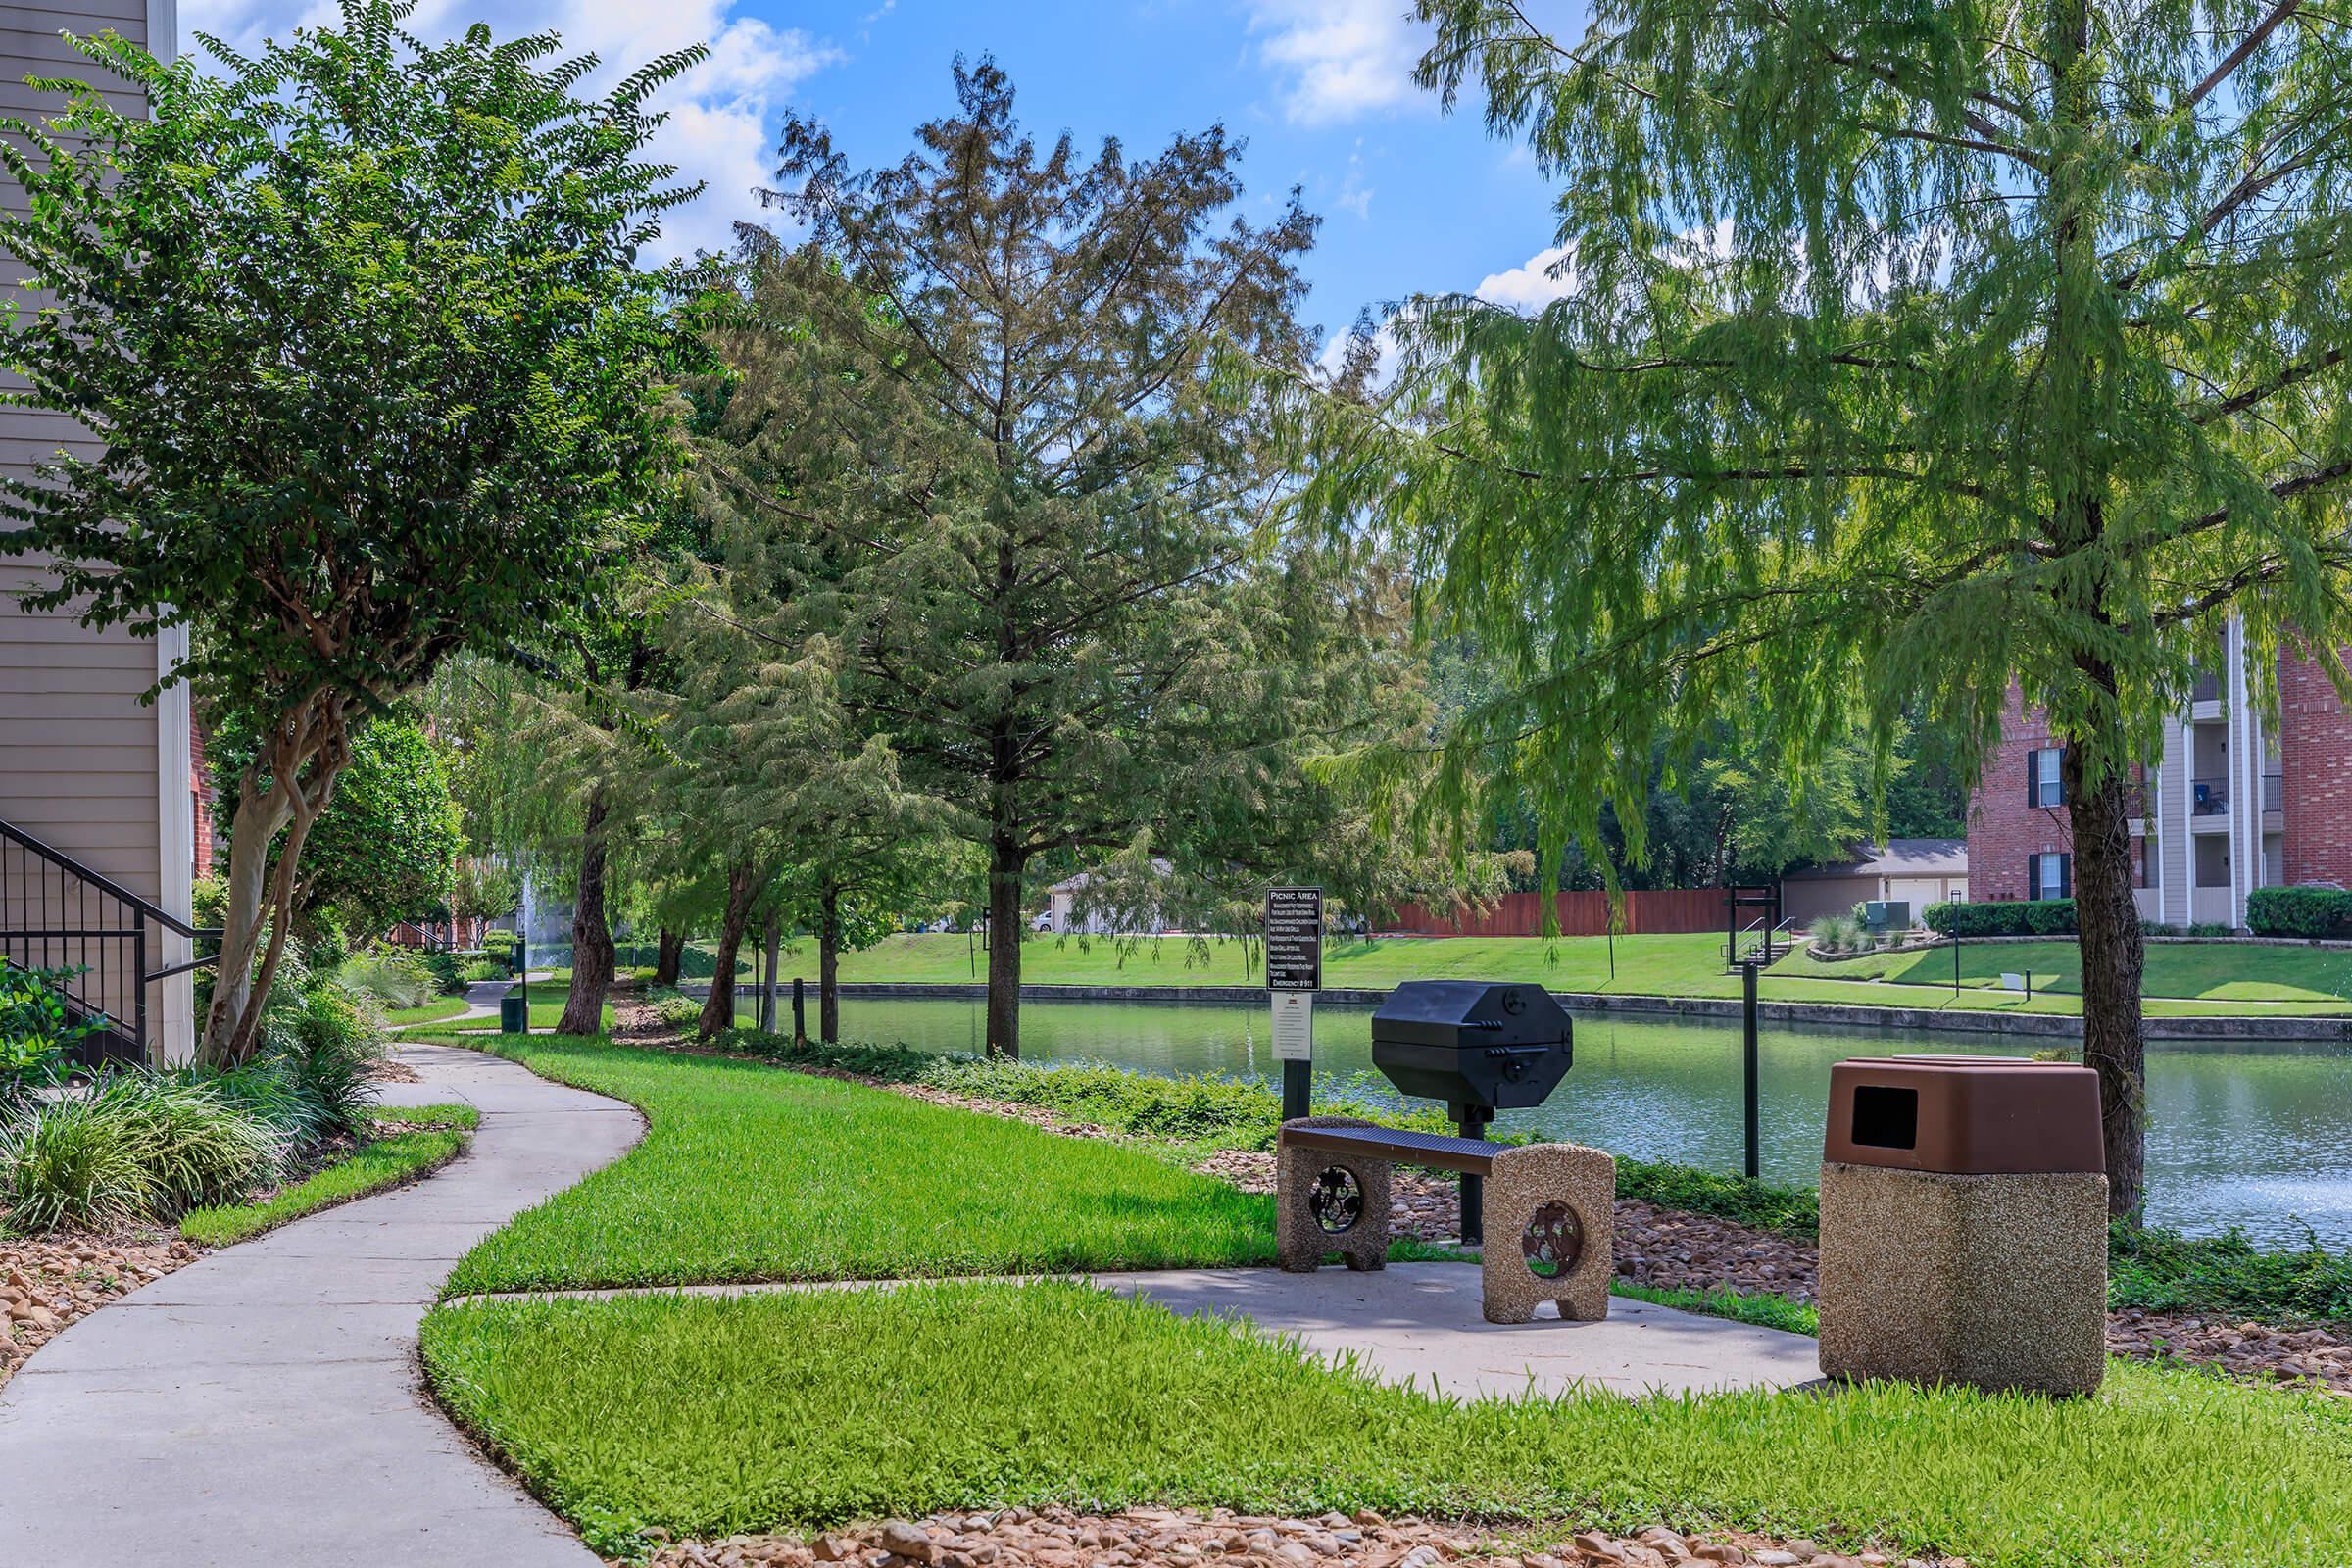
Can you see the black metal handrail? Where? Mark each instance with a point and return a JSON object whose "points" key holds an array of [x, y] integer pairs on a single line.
{"points": [[57, 913]]}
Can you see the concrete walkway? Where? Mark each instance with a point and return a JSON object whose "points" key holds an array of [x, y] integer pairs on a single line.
{"points": [[263, 1405]]}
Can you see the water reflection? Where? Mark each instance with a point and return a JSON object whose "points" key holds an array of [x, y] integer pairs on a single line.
{"points": [[2254, 1136]]}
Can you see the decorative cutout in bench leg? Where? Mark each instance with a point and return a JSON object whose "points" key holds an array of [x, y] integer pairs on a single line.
{"points": [[1326, 1203], [1551, 1220]]}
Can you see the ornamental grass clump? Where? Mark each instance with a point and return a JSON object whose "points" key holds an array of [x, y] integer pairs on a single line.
{"points": [[191, 1146], [67, 1164]]}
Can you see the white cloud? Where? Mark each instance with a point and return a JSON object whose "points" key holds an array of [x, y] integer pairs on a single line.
{"points": [[1339, 59], [1353, 195], [722, 113], [1533, 284]]}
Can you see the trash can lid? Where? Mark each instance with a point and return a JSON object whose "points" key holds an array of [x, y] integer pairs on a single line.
{"points": [[1965, 1115]]}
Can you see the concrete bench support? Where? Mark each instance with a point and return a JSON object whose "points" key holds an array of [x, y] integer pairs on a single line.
{"points": [[1551, 1220]]}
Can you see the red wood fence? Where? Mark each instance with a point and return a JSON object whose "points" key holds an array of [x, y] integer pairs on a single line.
{"points": [[1581, 915]]}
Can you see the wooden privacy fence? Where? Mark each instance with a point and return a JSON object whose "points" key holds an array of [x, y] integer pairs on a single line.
{"points": [[1581, 915]]}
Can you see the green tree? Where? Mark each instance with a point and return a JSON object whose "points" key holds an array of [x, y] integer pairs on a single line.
{"points": [[378, 376], [1004, 437], [1905, 356]]}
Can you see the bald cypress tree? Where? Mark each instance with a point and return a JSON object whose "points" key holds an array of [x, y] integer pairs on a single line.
{"points": [[1907, 353]]}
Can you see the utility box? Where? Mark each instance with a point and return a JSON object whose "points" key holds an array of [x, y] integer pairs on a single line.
{"points": [[1883, 915], [1964, 1224]]}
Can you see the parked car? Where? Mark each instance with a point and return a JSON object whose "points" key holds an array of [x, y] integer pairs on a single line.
{"points": [[1044, 921]]}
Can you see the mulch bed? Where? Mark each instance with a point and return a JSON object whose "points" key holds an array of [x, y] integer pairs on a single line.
{"points": [[48, 1282], [1166, 1538], [1669, 1249]]}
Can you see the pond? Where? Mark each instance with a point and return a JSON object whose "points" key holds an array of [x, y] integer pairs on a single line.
{"points": [[2256, 1136]]}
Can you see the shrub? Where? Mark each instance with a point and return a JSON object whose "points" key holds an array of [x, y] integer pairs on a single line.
{"points": [[192, 1146], [35, 1032], [395, 978], [67, 1163], [2165, 1271], [2013, 918], [483, 969], [446, 969], [2299, 911], [677, 1011], [2211, 928]]}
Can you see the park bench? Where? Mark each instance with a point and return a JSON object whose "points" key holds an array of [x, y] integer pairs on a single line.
{"points": [[1550, 1210]]}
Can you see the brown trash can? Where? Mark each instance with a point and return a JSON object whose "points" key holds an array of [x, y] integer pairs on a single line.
{"points": [[1964, 1224]]}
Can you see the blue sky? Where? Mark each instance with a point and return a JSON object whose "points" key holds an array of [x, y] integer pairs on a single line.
{"points": [[1321, 90]]}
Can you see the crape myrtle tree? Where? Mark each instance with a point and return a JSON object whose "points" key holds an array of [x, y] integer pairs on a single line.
{"points": [[386, 848], [1002, 430], [361, 326], [1906, 355]]}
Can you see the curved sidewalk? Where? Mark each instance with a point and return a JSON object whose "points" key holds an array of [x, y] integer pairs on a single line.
{"points": [[264, 1406]]}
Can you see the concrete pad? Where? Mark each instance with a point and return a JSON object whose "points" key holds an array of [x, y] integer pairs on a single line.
{"points": [[264, 1403], [1421, 1324]]}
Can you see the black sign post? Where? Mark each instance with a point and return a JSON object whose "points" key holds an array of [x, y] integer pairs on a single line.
{"points": [[1295, 963]]}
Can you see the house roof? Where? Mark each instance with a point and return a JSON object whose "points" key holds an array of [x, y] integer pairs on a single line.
{"points": [[1895, 857]]}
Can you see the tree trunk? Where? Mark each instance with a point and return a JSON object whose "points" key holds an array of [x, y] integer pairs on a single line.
{"points": [[828, 965], [718, 1009], [1006, 864], [2112, 956], [767, 980], [261, 894], [591, 936], [668, 950]]}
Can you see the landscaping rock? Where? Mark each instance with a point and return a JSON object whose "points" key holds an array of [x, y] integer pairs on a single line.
{"points": [[1164, 1538], [47, 1283]]}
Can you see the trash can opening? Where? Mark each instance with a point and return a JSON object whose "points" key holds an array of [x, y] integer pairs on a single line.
{"points": [[1885, 1117]]}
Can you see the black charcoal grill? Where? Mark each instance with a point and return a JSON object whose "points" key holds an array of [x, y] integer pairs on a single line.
{"points": [[1476, 1045]]}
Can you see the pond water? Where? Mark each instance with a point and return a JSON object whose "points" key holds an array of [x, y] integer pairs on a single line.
{"points": [[2256, 1136]]}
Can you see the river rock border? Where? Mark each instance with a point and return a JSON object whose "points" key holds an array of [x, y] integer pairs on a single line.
{"points": [[1170, 1537]]}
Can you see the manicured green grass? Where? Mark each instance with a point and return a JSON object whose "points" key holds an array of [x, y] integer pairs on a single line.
{"points": [[1670, 965], [1762, 1309], [706, 1416], [749, 1173], [430, 1012], [546, 1010], [2208, 971], [438, 1134]]}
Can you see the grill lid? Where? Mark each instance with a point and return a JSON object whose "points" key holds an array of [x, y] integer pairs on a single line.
{"points": [[1464, 1013]]}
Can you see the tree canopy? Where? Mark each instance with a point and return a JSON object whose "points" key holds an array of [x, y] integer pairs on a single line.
{"points": [[361, 327], [1903, 356], [986, 399]]}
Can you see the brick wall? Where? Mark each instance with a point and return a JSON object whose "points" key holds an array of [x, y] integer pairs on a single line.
{"points": [[200, 785], [2315, 754], [2002, 829]]}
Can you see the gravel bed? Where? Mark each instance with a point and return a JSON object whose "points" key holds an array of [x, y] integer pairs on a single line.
{"points": [[48, 1282], [1161, 1537]]}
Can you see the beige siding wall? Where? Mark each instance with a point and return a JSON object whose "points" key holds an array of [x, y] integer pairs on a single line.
{"points": [[84, 767]]}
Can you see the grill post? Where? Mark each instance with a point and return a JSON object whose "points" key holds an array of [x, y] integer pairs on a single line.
{"points": [[1472, 1120], [1752, 1164]]}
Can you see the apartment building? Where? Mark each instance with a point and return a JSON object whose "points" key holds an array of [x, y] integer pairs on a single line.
{"points": [[99, 824], [2233, 803]]}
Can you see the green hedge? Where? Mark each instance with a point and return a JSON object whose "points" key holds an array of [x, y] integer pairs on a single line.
{"points": [[2299, 911], [2015, 917]]}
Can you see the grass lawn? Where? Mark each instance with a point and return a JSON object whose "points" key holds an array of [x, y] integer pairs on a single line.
{"points": [[706, 1416], [2215, 979], [414, 1140], [2232, 971], [749, 1173], [428, 1013], [545, 1013]]}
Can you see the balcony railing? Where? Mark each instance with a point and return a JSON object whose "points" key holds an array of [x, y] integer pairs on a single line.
{"points": [[2274, 792], [2205, 686], [2209, 797]]}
